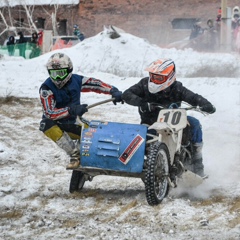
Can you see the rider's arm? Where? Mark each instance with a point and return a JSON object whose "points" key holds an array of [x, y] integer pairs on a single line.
{"points": [[190, 97], [49, 105], [95, 85], [135, 94]]}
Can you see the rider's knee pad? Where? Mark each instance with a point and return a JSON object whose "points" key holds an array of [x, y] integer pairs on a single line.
{"points": [[50, 129]]}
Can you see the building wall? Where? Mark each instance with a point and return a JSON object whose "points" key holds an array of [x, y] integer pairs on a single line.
{"points": [[149, 19], [68, 13]]}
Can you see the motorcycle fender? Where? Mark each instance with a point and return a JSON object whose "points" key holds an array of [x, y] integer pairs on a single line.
{"points": [[161, 126], [166, 135]]}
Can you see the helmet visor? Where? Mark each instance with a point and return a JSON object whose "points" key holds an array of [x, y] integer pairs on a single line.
{"points": [[158, 79], [58, 74]]}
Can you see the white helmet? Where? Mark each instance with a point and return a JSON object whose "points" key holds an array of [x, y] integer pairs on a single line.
{"points": [[60, 68], [161, 75]]}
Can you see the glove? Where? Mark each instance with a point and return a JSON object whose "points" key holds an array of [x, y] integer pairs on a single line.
{"points": [[147, 107], [77, 110], [209, 108], [117, 95]]}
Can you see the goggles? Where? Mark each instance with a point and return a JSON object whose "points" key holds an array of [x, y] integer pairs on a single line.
{"points": [[58, 74], [158, 79]]}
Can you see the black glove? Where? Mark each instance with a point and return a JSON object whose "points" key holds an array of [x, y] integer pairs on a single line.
{"points": [[147, 107], [209, 108], [117, 95], [77, 110]]}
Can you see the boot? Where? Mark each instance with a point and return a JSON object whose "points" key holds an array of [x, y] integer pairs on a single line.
{"points": [[74, 160], [67, 144], [197, 161], [198, 167]]}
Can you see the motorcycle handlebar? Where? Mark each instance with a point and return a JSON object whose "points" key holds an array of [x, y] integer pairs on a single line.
{"points": [[99, 103], [172, 106], [175, 106]]}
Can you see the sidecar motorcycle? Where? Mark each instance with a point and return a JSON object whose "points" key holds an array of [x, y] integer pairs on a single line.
{"points": [[128, 150]]}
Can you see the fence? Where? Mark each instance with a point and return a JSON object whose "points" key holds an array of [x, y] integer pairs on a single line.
{"points": [[26, 50]]}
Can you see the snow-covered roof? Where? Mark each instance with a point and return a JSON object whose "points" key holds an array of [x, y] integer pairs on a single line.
{"points": [[12, 3]]}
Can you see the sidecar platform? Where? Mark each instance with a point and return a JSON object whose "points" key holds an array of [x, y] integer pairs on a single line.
{"points": [[113, 147]]}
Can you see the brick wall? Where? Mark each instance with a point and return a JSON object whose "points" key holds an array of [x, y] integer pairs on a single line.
{"points": [[68, 13], [149, 19]]}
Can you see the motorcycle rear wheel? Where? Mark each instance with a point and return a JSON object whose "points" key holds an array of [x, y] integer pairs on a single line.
{"points": [[77, 181], [157, 170]]}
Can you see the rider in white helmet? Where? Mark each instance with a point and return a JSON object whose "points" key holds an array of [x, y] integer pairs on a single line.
{"points": [[60, 97], [161, 87]]}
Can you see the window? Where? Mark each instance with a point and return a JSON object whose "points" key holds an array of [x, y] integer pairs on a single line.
{"points": [[62, 27], [40, 22]]}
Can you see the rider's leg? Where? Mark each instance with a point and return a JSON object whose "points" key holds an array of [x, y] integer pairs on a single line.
{"points": [[196, 132], [63, 140], [198, 166], [67, 144], [74, 131]]}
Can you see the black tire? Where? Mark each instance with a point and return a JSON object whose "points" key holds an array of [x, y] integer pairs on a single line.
{"points": [[77, 181], [157, 170]]}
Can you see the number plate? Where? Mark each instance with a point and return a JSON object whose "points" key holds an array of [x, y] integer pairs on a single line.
{"points": [[175, 118]]}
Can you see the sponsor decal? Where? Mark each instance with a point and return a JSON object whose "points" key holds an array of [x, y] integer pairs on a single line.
{"points": [[94, 124], [86, 141], [85, 154], [92, 130], [87, 138], [131, 149], [88, 134], [86, 147]]}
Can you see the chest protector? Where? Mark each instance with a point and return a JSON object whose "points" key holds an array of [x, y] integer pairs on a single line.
{"points": [[69, 94]]}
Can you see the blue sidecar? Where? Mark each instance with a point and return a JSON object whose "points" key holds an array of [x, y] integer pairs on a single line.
{"points": [[113, 148]]}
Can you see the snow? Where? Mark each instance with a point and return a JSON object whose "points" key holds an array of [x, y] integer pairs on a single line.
{"points": [[34, 197], [14, 3]]}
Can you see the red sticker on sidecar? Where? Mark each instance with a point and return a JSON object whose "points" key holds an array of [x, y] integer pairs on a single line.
{"points": [[131, 149]]}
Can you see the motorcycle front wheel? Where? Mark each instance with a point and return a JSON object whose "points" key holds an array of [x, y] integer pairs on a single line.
{"points": [[157, 171]]}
